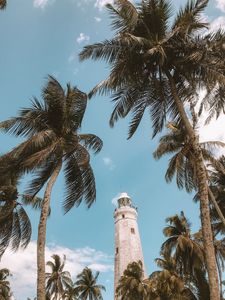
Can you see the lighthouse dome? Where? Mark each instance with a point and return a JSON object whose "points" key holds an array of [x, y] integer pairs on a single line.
{"points": [[124, 200]]}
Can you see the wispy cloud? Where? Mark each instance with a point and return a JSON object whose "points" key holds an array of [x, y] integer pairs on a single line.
{"points": [[108, 162], [82, 38], [221, 5], [97, 19], [214, 131], [42, 3], [22, 264]]}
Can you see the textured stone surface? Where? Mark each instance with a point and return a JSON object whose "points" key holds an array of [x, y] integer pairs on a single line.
{"points": [[127, 239]]}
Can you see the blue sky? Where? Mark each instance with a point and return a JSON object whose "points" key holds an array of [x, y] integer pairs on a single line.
{"points": [[43, 37]]}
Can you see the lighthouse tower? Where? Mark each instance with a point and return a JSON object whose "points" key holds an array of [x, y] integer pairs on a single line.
{"points": [[127, 239]]}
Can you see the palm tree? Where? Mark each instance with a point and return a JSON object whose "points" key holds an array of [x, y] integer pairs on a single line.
{"points": [[158, 65], [182, 164], [220, 257], [168, 283], [71, 292], [3, 4], [131, 284], [188, 253], [57, 279], [51, 128], [15, 226], [5, 291], [87, 285], [217, 185]]}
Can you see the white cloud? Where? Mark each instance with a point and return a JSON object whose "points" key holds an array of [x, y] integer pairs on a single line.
{"points": [[83, 38], [42, 3], [218, 23], [221, 5], [101, 3], [97, 19], [22, 264], [108, 162], [214, 131]]}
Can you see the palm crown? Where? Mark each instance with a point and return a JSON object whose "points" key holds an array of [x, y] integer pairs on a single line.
{"points": [[182, 164], [57, 279], [52, 131], [87, 286], [146, 52], [131, 284]]}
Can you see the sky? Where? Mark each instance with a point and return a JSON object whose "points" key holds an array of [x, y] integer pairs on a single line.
{"points": [[41, 37]]}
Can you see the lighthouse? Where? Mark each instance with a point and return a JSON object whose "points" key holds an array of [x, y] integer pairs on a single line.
{"points": [[127, 239]]}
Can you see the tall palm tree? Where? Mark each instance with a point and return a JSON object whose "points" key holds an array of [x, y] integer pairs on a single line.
{"points": [[188, 253], [3, 4], [158, 64], [87, 285], [131, 284], [5, 291], [52, 141], [57, 279]]}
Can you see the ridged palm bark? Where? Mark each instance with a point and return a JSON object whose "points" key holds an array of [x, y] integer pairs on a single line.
{"points": [[217, 185], [54, 142], [87, 286], [158, 65]]}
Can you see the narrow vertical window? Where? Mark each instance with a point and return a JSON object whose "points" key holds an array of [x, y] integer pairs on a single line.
{"points": [[123, 216], [117, 250], [132, 230]]}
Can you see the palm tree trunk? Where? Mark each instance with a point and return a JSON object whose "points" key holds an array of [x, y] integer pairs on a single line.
{"points": [[203, 195], [42, 235], [218, 210]]}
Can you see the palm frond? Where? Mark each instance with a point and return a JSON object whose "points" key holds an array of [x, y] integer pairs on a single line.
{"points": [[3, 4], [124, 15], [91, 141]]}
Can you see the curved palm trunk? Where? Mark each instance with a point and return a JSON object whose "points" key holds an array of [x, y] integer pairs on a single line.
{"points": [[42, 235], [203, 195], [218, 210]]}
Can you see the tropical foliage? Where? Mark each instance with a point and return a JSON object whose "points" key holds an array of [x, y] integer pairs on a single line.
{"points": [[5, 290], [87, 285], [57, 279], [131, 285], [53, 140], [3, 4], [157, 65]]}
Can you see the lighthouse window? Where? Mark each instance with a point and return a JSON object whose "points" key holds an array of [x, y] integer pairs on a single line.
{"points": [[117, 250], [132, 230], [123, 216]]}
